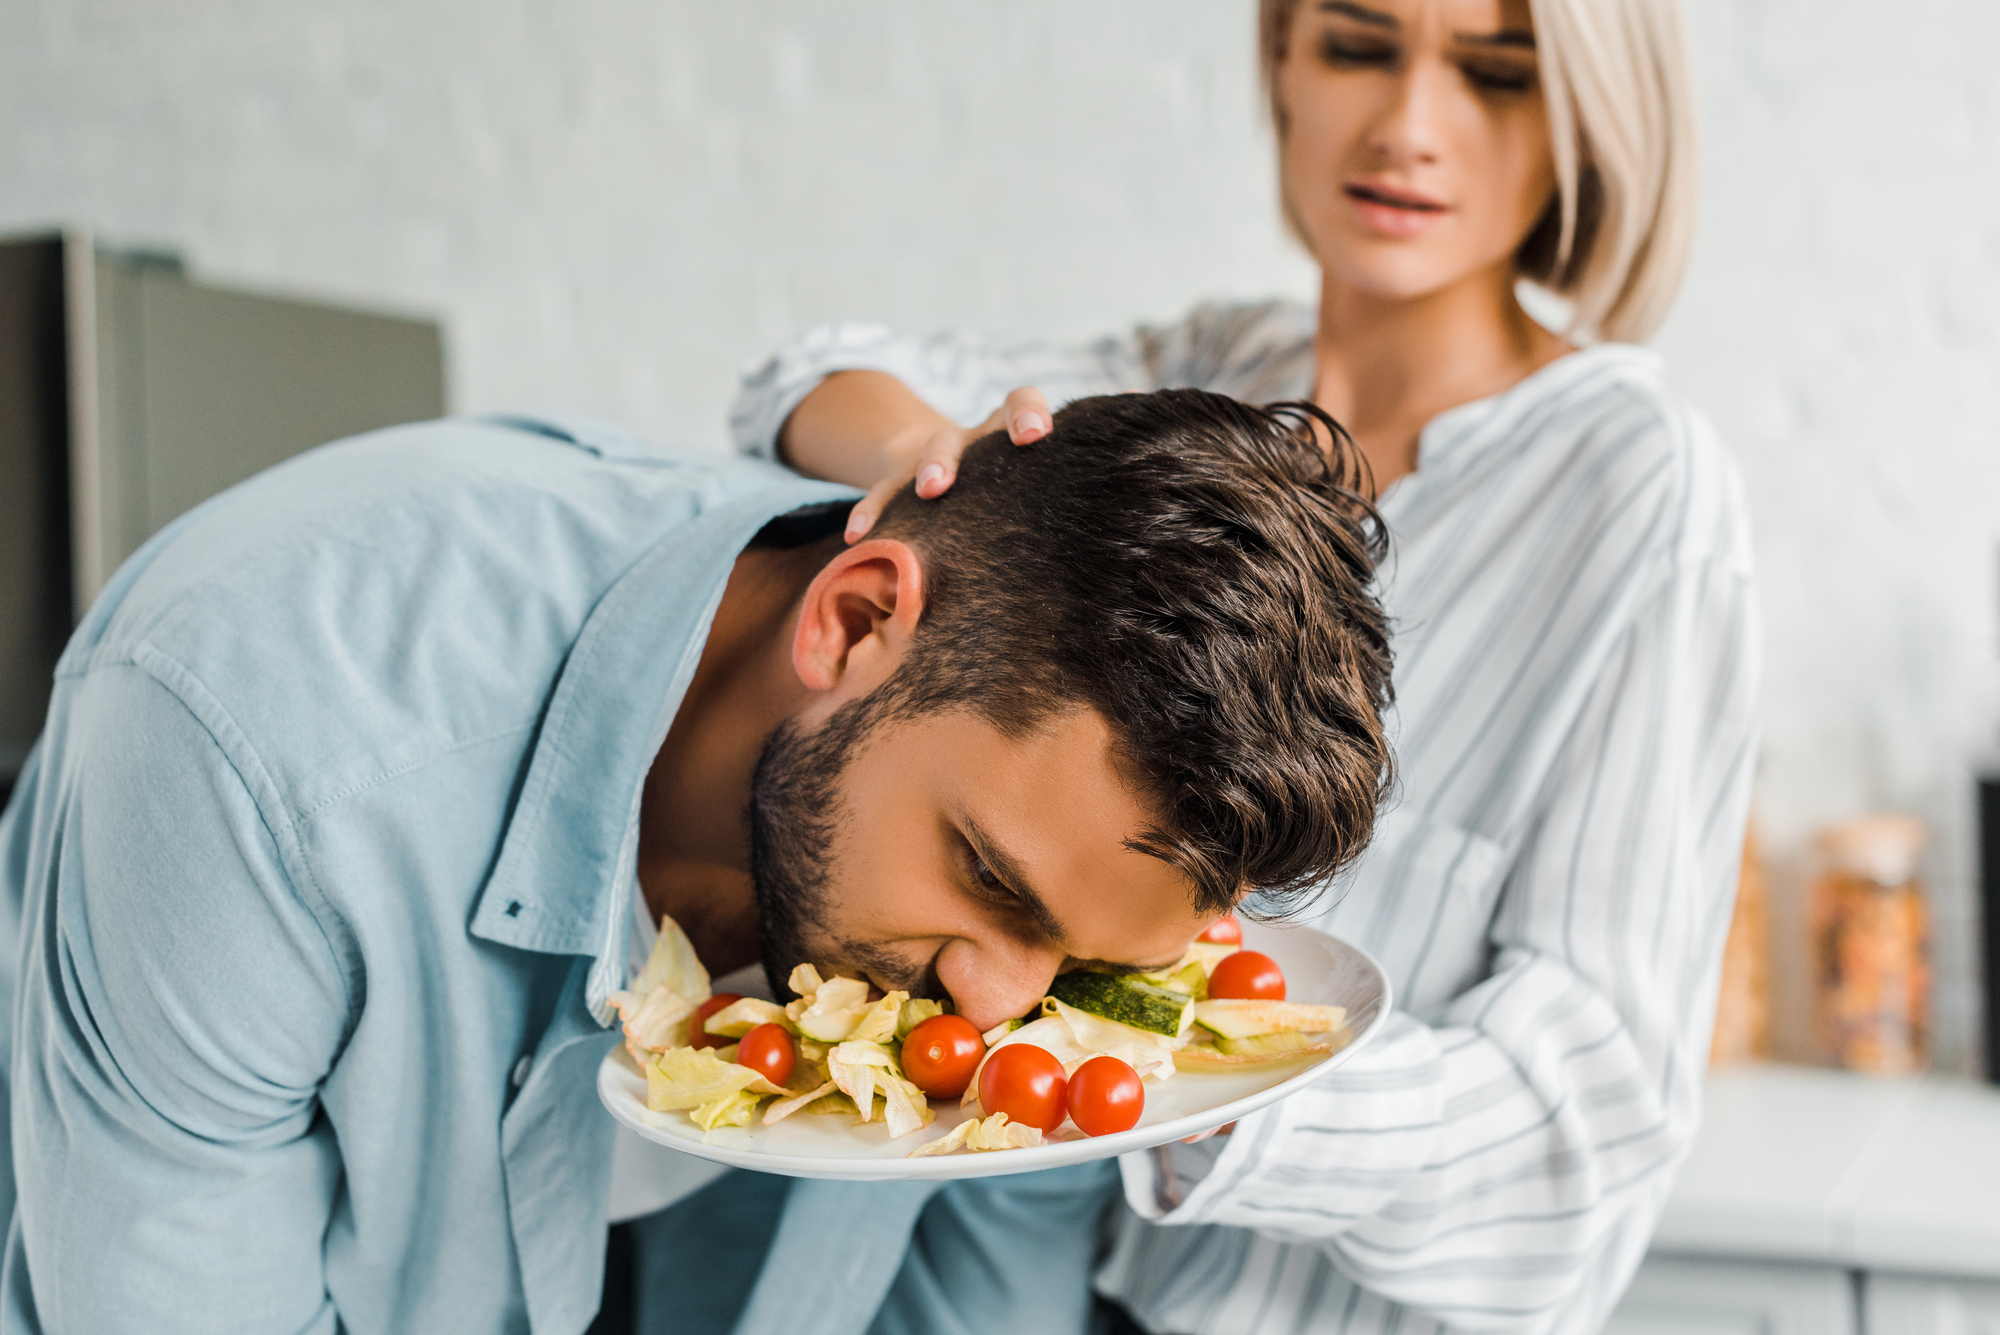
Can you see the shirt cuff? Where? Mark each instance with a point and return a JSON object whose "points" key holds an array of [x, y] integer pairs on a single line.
{"points": [[769, 391], [1358, 1135]]}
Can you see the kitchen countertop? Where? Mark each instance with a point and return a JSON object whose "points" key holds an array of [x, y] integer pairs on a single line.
{"points": [[1795, 1163]]}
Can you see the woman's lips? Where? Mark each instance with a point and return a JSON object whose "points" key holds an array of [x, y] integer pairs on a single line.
{"points": [[1389, 211]]}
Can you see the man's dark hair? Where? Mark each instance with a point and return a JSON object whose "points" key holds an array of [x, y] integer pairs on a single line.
{"points": [[1198, 571]]}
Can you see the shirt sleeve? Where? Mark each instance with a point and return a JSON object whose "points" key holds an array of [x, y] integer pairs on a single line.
{"points": [[964, 376], [1476, 1168], [178, 1007]]}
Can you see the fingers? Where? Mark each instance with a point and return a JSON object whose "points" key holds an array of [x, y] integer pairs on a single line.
{"points": [[869, 508], [1026, 418], [937, 466], [935, 469], [1200, 1136], [1026, 413]]}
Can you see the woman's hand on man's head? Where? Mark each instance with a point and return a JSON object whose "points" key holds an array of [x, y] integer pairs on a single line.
{"points": [[934, 456]]}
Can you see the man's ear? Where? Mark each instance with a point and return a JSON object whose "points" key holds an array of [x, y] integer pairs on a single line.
{"points": [[857, 618]]}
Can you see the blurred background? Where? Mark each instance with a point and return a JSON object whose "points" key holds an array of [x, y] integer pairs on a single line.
{"points": [[610, 206], [292, 219]]}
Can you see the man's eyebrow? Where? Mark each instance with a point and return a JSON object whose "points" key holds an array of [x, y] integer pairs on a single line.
{"points": [[1360, 13], [1005, 866], [1012, 875]]}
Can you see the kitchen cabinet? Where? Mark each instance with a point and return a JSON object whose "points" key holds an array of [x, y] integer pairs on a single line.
{"points": [[1913, 1305], [1822, 1201], [1684, 1296]]}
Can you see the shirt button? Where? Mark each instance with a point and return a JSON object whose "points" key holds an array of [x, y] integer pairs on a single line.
{"points": [[521, 1069]]}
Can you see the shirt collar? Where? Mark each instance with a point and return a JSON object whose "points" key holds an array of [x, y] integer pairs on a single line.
{"points": [[1452, 432], [571, 847]]}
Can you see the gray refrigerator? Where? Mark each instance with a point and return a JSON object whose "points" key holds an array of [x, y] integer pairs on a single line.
{"points": [[130, 392]]}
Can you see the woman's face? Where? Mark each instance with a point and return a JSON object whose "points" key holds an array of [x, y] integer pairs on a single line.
{"points": [[1417, 152]]}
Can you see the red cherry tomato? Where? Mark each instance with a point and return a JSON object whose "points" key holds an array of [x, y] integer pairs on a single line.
{"points": [[701, 1038], [1247, 976], [1026, 1083], [940, 1055], [768, 1050], [1224, 931], [1105, 1095]]}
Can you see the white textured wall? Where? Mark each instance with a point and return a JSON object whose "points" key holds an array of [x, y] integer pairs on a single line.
{"points": [[612, 203], [1842, 326]]}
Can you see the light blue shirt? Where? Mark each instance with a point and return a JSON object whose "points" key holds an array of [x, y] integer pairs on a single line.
{"points": [[321, 867]]}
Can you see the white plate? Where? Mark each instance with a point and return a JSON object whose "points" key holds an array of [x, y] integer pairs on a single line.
{"points": [[1318, 968]]}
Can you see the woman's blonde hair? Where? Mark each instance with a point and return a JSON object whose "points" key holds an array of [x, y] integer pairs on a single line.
{"points": [[1615, 240]]}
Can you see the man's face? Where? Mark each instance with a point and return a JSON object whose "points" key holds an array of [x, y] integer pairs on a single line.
{"points": [[939, 856]]}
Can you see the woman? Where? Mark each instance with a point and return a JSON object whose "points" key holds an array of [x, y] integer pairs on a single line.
{"points": [[1576, 660]]}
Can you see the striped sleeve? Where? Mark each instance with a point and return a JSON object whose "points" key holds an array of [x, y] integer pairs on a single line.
{"points": [[1478, 1169], [963, 376], [1255, 351]]}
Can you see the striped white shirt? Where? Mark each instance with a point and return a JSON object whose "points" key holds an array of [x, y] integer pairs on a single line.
{"points": [[1576, 677]]}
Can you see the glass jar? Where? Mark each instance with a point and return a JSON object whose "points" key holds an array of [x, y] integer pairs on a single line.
{"points": [[1870, 931]]}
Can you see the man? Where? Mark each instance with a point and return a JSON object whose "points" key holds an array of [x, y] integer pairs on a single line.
{"points": [[354, 777]]}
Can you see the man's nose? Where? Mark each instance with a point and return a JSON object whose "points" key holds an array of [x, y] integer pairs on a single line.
{"points": [[989, 985]]}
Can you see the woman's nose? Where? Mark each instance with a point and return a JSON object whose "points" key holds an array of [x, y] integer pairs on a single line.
{"points": [[1406, 133]]}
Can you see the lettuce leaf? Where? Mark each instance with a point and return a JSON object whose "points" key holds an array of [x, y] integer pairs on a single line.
{"points": [[656, 1007], [827, 1009], [861, 1068], [878, 1022], [740, 1017], [683, 1078], [914, 1013], [654, 1022], [982, 1133], [673, 964], [784, 1108], [730, 1110]]}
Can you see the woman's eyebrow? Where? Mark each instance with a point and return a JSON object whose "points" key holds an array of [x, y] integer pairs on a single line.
{"points": [[1518, 38], [1360, 13], [1522, 38]]}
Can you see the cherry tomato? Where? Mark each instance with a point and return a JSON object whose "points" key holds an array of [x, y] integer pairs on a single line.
{"points": [[1026, 1083], [1247, 976], [940, 1055], [768, 1050], [1105, 1095], [701, 1038], [1224, 931]]}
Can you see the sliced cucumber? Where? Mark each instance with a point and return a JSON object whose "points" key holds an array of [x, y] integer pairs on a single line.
{"points": [[1000, 1031], [1094, 1033], [1209, 1057], [1125, 1000], [1211, 953], [1244, 1019], [1261, 1045], [1193, 979], [1190, 978]]}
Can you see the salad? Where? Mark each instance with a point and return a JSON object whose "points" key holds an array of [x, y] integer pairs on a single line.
{"points": [[1085, 1056]]}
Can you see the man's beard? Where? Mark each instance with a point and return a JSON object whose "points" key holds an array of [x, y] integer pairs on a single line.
{"points": [[796, 811]]}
